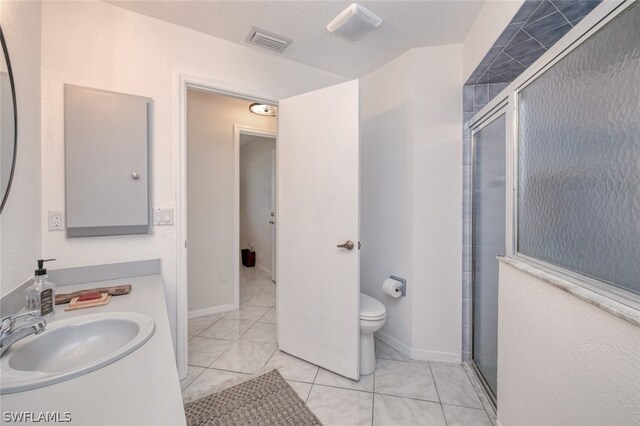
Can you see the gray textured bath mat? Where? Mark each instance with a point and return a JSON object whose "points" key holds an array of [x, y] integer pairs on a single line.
{"points": [[263, 400]]}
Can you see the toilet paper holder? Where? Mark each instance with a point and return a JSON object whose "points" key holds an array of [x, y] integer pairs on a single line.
{"points": [[403, 286]]}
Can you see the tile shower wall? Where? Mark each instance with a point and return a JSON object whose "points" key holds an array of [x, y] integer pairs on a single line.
{"points": [[534, 29]]}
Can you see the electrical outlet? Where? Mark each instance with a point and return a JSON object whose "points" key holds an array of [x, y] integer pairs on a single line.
{"points": [[56, 221]]}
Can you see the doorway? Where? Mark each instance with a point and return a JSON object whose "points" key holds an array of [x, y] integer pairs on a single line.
{"points": [[317, 161], [218, 126], [257, 195], [215, 123]]}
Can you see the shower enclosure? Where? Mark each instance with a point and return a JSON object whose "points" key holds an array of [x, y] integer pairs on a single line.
{"points": [[488, 241], [555, 174]]}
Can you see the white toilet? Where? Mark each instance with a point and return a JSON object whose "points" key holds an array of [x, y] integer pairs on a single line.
{"points": [[372, 318]]}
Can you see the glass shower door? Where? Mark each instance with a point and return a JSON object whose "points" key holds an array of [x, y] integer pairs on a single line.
{"points": [[488, 242]]}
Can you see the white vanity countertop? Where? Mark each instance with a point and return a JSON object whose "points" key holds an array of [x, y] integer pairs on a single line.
{"points": [[140, 389]]}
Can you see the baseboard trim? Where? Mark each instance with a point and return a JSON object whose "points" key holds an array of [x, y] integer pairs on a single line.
{"points": [[418, 354], [427, 355], [394, 343], [263, 269], [212, 310]]}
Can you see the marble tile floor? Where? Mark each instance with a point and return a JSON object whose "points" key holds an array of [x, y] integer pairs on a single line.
{"points": [[400, 392]]}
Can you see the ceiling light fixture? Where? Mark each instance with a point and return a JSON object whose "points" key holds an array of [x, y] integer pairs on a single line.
{"points": [[354, 22], [263, 109]]}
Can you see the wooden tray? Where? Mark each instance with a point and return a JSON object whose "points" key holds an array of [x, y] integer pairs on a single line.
{"points": [[74, 304]]}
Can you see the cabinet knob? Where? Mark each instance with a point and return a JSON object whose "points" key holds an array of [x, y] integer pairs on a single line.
{"points": [[135, 175]]}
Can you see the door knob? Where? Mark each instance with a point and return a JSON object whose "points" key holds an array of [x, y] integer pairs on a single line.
{"points": [[349, 245]]}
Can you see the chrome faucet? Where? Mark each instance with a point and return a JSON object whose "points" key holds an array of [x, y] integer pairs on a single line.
{"points": [[32, 323]]}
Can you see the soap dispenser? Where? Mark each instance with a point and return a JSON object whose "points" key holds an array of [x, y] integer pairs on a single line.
{"points": [[41, 295]]}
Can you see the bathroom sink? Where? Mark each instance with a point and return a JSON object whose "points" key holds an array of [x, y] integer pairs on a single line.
{"points": [[72, 347]]}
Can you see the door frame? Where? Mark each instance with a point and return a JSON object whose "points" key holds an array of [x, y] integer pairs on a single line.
{"points": [[187, 81], [274, 211], [239, 130]]}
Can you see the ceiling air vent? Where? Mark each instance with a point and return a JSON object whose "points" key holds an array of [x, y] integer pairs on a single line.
{"points": [[267, 40]]}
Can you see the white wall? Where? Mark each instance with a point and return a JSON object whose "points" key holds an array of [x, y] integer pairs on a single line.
{"points": [[99, 45], [255, 197], [210, 174], [411, 148], [561, 360], [385, 191], [20, 222], [493, 18], [437, 202]]}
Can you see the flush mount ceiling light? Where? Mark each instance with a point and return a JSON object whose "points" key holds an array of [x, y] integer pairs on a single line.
{"points": [[263, 109], [354, 22]]}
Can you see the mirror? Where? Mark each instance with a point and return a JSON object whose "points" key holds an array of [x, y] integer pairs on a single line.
{"points": [[8, 124]]}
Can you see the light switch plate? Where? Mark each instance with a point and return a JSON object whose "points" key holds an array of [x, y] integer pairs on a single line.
{"points": [[163, 217], [56, 220]]}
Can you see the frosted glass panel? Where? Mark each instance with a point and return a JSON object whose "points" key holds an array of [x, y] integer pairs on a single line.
{"points": [[488, 242], [579, 158]]}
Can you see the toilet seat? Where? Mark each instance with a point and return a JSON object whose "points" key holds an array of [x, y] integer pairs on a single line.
{"points": [[371, 309], [381, 317]]}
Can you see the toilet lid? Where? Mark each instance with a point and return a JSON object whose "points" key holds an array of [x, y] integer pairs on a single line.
{"points": [[370, 307]]}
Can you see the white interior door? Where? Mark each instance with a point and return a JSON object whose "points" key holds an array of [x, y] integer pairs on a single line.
{"points": [[318, 208]]}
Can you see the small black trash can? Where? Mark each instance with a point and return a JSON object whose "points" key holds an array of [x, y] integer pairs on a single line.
{"points": [[248, 258]]}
